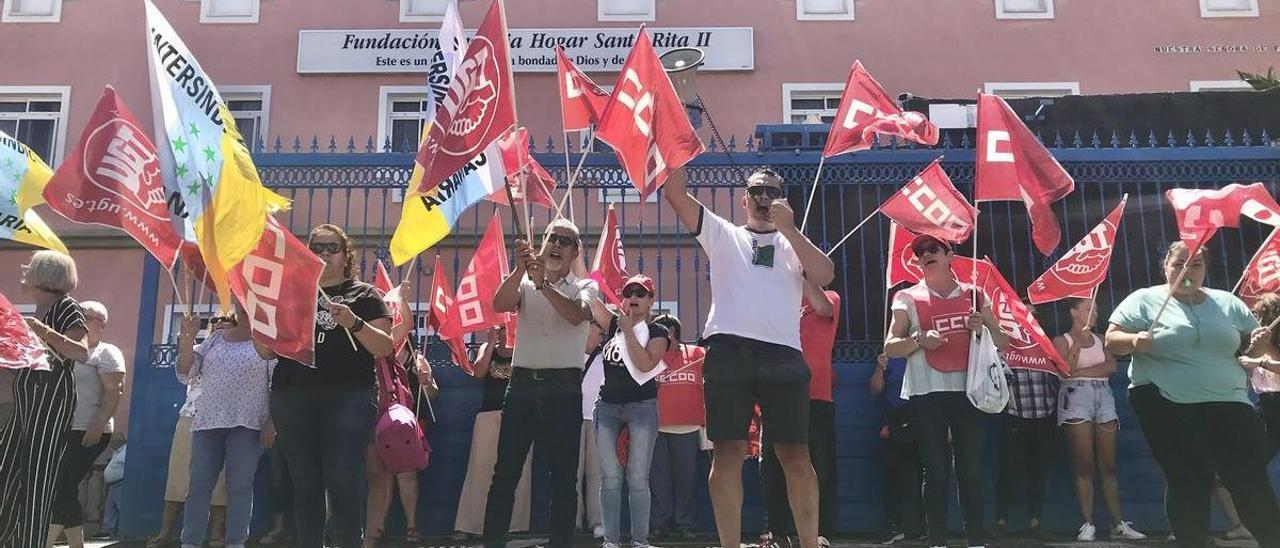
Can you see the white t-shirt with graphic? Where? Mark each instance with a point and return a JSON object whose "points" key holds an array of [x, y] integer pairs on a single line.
{"points": [[756, 282]]}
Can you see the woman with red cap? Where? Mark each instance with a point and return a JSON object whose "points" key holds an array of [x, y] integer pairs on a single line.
{"points": [[629, 398], [932, 326]]}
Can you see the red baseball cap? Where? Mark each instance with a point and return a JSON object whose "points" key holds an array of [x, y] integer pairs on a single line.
{"points": [[642, 281], [925, 239]]}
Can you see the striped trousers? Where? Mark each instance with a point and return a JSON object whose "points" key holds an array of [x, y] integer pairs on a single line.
{"points": [[31, 449]]}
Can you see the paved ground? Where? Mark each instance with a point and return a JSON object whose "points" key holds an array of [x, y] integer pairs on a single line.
{"points": [[851, 542]]}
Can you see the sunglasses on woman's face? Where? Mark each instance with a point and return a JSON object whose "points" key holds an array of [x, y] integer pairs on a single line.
{"points": [[561, 240], [772, 193], [325, 247], [638, 292]]}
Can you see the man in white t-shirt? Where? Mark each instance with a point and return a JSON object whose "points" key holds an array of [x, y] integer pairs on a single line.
{"points": [[753, 343]]}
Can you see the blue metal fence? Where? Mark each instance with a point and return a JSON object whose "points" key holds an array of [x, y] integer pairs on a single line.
{"points": [[357, 188]]}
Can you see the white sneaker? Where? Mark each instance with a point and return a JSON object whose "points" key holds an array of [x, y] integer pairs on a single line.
{"points": [[1126, 531], [822, 541], [1086, 533], [1239, 533], [609, 545], [598, 533]]}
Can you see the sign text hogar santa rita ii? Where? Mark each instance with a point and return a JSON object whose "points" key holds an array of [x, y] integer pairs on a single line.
{"points": [[532, 50]]}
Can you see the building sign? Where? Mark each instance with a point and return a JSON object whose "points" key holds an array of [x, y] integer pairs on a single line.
{"points": [[1191, 49], [532, 50]]}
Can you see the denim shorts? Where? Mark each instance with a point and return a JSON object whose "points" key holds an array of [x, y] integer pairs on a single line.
{"points": [[1086, 400]]}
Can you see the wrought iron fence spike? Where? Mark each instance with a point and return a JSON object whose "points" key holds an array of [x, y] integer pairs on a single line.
{"points": [[1246, 138], [946, 139], [733, 143], [1115, 139], [1228, 139], [351, 144], [315, 144], [1057, 140], [1171, 141], [333, 144], [964, 140], [1208, 138], [1094, 141], [386, 144], [1266, 137], [368, 147], [297, 144], [1191, 139], [551, 144], [1076, 141], [1133, 139], [279, 145], [1151, 139]]}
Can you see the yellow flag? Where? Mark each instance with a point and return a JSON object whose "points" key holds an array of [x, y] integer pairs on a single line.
{"points": [[23, 176]]}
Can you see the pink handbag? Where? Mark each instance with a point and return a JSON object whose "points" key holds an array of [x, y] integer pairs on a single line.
{"points": [[398, 438]]}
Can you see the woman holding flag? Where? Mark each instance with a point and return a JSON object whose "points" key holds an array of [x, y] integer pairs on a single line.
{"points": [[1189, 394], [32, 444], [933, 325]]}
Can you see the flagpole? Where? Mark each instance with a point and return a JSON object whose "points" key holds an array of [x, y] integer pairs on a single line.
{"points": [[850, 234], [177, 290], [574, 176], [568, 170], [1177, 280], [511, 85], [812, 192], [1254, 258]]}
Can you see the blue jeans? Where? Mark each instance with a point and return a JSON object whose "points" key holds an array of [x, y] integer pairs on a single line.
{"points": [[239, 450], [641, 420], [324, 435]]}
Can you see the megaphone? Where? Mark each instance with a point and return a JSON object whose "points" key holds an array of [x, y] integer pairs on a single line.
{"points": [[681, 65]]}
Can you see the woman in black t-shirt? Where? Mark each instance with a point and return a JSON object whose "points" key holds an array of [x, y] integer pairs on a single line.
{"points": [[325, 415], [32, 444], [493, 366], [624, 402]]}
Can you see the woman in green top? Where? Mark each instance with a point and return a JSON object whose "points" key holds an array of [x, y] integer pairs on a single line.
{"points": [[1189, 394]]}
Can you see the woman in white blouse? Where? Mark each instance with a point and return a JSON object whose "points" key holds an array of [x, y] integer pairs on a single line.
{"points": [[231, 426]]}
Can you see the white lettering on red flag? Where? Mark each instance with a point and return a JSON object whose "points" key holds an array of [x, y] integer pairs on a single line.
{"points": [[581, 100], [277, 283], [609, 267], [1201, 213], [1262, 275], [1029, 346], [1084, 267], [930, 204], [478, 285], [865, 110], [443, 317]]}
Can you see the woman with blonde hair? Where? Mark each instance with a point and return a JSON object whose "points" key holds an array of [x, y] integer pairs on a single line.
{"points": [[33, 443]]}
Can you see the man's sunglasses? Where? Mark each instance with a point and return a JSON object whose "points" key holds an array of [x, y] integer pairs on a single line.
{"points": [[561, 240], [638, 292], [772, 193], [325, 247]]}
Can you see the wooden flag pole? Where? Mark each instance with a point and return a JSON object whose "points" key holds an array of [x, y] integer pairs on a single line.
{"points": [[177, 290], [573, 177], [568, 171], [812, 192], [1182, 273]]}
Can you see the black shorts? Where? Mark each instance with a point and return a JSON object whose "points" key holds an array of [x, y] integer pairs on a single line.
{"points": [[741, 372]]}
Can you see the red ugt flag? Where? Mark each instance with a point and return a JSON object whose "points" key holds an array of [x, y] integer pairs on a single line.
{"points": [[1084, 267], [1263, 273], [515, 159], [1012, 165], [112, 178], [865, 109], [479, 107], [645, 122], [19, 346], [1029, 346], [930, 204], [444, 314], [1201, 213], [474, 300], [609, 267], [903, 266], [581, 100], [278, 283]]}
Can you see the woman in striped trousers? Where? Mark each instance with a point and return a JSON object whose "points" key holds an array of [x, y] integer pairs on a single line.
{"points": [[34, 440]]}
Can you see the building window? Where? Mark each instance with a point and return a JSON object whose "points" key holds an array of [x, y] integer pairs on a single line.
{"points": [[37, 116], [251, 107], [419, 11], [32, 11], [1228, 8], [626, 10], [810, 103], [824, 10], [402, 116], [1220, 85], [229, 11], [1019, 90], [1024, 9]]}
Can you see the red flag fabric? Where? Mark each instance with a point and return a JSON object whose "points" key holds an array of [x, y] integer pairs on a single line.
{"points": [[903, 267], [112, 178], [19, 346], [1011, 164], [392, 297], [1201, 213], [930, 204], [474, 300], [609, 267], [515, 159], [645, 122], [443, 313], [581, 100], [479, 108], [279, 284], [1029, 346], [1084, 267], [866, 109], [1262, 275]]}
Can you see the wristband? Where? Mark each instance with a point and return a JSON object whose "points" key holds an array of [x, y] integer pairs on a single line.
{"points": [[356, 327]]}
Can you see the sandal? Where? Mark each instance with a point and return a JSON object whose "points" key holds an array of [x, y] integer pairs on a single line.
{"points": [[274, 537], [217, 543], [158, 542], [411, 535], [372, 538]]}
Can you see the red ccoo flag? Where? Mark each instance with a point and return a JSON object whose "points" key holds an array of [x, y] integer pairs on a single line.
{"points": [[645, 122], [479, 108], [443, 317], [581, 100], [1029, 346], [112, 178], [1084, 267], [278, 283], [515, 159], [930, 204], [474, 300], [609, 267], [1263, 273], [1011, 164], [865, 110], [1201, 213], [20, 348]]}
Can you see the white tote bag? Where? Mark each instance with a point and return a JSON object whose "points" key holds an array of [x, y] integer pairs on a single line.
{"points": [[986, 386]]}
